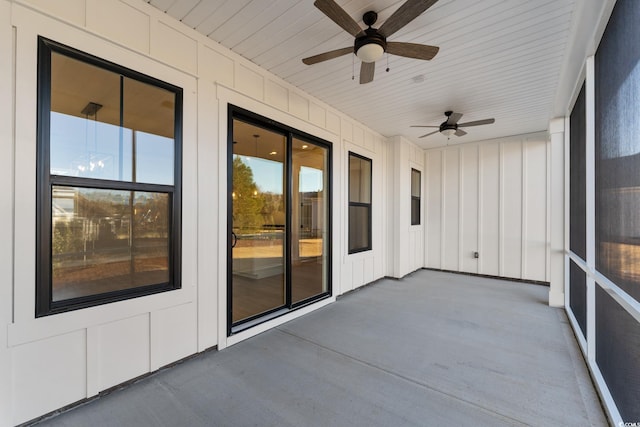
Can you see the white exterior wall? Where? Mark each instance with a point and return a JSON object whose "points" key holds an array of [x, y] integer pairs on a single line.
{"points": [[364, 267], [407, 252], [6, 213], [53, 361], [489, 197]]}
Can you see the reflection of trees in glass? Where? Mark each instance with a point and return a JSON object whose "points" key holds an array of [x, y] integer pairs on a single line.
{"points": [[67, 236], [248, 202], [151, 216], [101, 220], [273, 209]]}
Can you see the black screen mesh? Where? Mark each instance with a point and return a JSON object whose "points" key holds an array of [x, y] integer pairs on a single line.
{"points": [[617, 132], [578, 178], [618, 354], [578, 295]]}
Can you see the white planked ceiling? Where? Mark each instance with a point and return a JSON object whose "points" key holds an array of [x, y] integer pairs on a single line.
{"points": [[498, 58]]}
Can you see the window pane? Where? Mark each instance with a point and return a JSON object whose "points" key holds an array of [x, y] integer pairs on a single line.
{"points": [[415, 211], [310, 239], [415, 183], [359, 179], [415, 197], [359, 227], [149, 115], [85, 136], [154, 159], [107, 240], [259, 218]]}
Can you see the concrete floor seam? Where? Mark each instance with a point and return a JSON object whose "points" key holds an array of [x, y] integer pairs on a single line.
{"points": [[405, 378], [578, 363]]}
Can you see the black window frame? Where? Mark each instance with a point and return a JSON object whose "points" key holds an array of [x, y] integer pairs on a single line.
{"points": [[416, 199], [45, 181], [368, 206]]}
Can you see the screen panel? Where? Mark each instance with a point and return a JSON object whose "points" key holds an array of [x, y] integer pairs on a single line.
{"points": [[578, 295], [617, 144], [617, 344], [578, 178]]}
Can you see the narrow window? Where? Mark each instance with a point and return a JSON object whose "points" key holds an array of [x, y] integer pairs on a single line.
{"points": [[415, 197], [108, 205], [359, 203]]}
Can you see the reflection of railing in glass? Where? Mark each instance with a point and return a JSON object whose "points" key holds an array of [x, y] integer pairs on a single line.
{"points": [[97, 248]]}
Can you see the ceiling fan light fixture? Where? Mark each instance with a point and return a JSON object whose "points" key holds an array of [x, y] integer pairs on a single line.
{"points": [[448, 132], [370, 52], [371, 43]]}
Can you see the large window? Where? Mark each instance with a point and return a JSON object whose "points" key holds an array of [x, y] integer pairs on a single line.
{"points": [[108, 224], [415, 196], [359, 203]]}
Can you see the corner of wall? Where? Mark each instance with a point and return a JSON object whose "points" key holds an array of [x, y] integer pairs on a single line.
{"points": [[6, 213], [406, 242]]}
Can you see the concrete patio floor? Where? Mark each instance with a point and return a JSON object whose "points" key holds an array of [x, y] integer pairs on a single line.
{"points": [[432, 349]]}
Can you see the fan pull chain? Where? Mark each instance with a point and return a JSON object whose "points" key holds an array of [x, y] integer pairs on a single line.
{"points": [[353, 67], [387, 62]]}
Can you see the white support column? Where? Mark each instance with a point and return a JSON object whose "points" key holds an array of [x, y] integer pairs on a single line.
{"points": [[556, 217]]}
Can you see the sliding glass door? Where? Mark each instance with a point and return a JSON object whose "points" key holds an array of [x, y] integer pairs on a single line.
{"points": [[258, 221], [309, 217], [279, 220]]}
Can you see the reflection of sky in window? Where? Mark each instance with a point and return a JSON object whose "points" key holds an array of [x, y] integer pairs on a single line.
{"points": [[267, 174], [154, 159], [87, 148], [310, 179], [91, 149]]}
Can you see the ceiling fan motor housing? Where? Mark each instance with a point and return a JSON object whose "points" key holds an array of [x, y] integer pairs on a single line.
{"points": [[371, 36], [448, 126]]}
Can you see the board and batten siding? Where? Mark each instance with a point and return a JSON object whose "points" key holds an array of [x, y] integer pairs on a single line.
{"points": [[407, 254], [88, 351], [489, 197]]}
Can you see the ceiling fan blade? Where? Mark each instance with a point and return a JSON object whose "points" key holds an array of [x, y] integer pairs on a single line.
{"points": [[367, 69], [460, 132], [453, 118], [327, 55], [412, 50], [406, 13], [424, 126], [339, 16], [477, 123], [435, 131]]}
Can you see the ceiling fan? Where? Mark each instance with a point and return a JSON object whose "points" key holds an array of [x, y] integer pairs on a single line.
{"points": [[451, 126], [371, 43]]}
